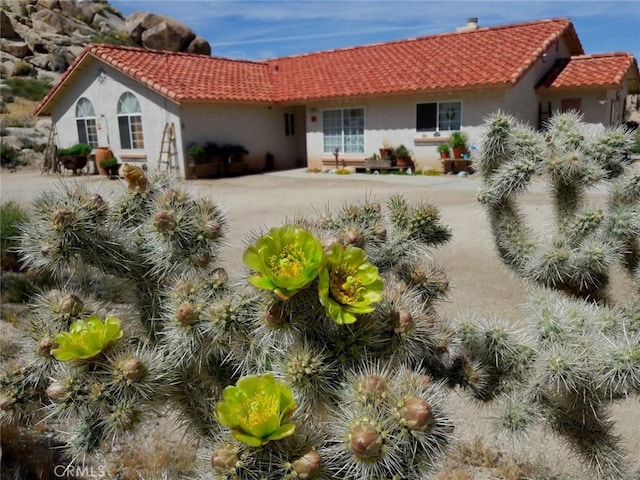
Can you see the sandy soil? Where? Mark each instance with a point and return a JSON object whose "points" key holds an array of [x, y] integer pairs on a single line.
{"points": [[481, 284]]}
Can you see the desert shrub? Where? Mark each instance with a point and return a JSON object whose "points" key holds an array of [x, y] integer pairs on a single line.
{"points": [[120, 38], [8, 155], [29, 88], [77, 149], [21, 121], [11, 216]]}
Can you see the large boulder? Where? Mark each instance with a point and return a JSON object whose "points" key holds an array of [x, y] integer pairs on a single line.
{"points": [[107, 22], [6, 27], [17, 48], [48, 5], [199, 45], [158, 32], [48, 21], [168, 36]]}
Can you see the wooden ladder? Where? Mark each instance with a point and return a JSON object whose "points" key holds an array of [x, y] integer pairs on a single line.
{"points": [[167, 149], [50, 153]]}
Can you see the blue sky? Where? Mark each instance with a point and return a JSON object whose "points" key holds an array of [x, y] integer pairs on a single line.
{"points": [[254, 30]]}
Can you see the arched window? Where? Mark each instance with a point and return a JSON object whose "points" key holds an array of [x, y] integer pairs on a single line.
{"points": [[130, 122], [86, 123]]}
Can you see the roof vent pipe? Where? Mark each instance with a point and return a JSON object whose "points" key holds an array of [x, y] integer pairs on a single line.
{"points": [[472, 24]]}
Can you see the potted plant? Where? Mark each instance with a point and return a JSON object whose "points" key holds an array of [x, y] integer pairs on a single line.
{"points": [[458, 143], [444, 151], [195, 154], [75, 157], [111, 167], [386, 152], [402, 156]]}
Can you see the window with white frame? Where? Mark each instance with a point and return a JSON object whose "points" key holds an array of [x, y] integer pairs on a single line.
{"points": [[343, 129], [437, 116], [130, 122], [86, 123]]}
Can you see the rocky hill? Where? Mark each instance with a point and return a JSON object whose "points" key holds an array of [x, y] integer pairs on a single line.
{"points": [[42, 37], [39, 39]]}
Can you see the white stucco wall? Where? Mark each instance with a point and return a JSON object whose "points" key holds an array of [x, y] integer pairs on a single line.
{"points": [[103, 86], [394, 118], [259, 128], [522, 100]]}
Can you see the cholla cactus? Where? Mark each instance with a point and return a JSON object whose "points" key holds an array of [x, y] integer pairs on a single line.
{"points": [[325, 360], [578, 353], [589, 239]]}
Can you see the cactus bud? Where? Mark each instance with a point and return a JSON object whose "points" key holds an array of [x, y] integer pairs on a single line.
{"points": [[185, 288], [225, 459], [57, 391], [365, 441], [165, 221], [273, 316], [186, 314], [203, 260], [211, 229], [373, 387], [96, 204], [380, 232], [6, 401], [417, 414], [327, 243], [307, 465], [354, 237], [131, 369], [219, 277], [45, 345], [45, 250], [71, 305], [135, 178], [403, 321], [62, 218]]}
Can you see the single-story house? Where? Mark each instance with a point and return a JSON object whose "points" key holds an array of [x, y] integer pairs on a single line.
{"points": [[294, 111]]}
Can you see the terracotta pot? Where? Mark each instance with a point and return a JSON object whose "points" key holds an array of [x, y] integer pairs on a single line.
{"points": [[102, 153], [386, 153], [458, 152], [444, 155], [404, 162]]}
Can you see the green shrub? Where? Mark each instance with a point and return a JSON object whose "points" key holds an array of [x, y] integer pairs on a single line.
{"points": [[109, 162], [11, 216], [113, 39], [23, 68], [77, 149], [8, 155], [636, 145], [29, 88]]}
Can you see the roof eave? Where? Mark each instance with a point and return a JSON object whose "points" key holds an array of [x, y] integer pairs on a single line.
{"points": [[434, 91], [42, 107]]}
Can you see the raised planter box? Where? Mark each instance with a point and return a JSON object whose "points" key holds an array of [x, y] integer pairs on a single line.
{"points": [[376, 164], [73, 162], [457, 165]]}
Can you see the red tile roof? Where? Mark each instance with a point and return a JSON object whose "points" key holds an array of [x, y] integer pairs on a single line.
{"points": [[485, 57], [605, 70], [480, 58]]}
